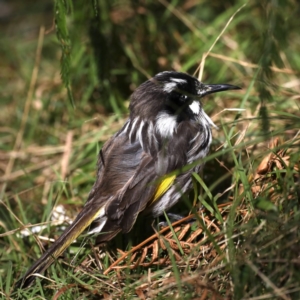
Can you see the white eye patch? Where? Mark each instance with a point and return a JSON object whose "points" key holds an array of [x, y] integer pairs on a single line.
{"points": [[178, 80], [170, 86]]}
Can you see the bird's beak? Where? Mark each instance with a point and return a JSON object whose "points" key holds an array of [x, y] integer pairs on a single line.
{"points": [[214, 88]]}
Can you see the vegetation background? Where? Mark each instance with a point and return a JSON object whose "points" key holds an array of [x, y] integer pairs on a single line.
{"points": [[67, 70]]}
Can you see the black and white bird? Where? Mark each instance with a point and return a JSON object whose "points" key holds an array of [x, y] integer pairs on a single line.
{"points": [[167, 129]]}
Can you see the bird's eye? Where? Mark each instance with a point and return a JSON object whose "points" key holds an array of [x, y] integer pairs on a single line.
{"points": [[183, 97]]}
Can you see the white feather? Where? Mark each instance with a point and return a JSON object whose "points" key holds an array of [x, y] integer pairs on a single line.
{"points": [[139, 133], [150, 132], [165, 124], [132, 127], [178, 80], [209, 120], [100, 219], [195, 107], [169, 87], [126, 125], [98, 229]]}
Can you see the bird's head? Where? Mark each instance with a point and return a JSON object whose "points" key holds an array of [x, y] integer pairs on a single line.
{"points": [[175, 93]]}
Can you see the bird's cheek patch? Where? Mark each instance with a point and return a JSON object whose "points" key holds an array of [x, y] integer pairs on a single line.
{"points": [[195, 107]]}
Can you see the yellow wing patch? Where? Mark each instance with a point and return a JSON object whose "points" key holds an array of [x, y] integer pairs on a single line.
{"points": [[163, 187]]}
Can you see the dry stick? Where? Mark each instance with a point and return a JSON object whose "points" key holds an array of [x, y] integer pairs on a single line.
{"points": [[14, 175], [154, 236], [201, 66], [250, 65], [26, 107]]}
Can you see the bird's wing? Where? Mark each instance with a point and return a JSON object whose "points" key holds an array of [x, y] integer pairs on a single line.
{"points": [[127, 181], [131, 179]]}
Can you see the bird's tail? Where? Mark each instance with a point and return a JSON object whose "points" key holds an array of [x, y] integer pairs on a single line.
{"points": [[82, 221]]}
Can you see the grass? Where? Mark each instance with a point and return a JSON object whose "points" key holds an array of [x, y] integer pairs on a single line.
{"points": [[244, 241]]}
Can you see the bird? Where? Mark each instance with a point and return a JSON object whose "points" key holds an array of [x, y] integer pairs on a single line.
{"points": [[140, 166]]}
